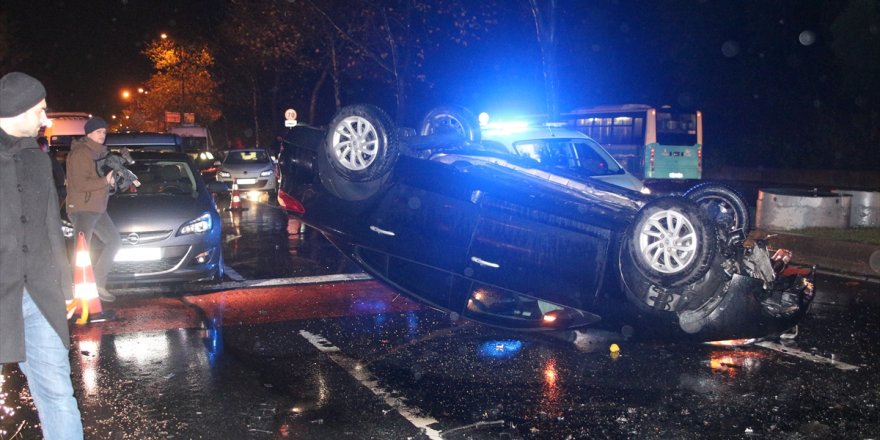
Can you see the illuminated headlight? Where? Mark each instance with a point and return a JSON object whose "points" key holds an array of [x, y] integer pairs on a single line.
{"points": [[226, 174], [206, 155], [267, 173], [645, 190], [196, 226]]}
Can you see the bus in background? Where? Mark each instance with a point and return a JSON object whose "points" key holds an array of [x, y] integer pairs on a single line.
{"points": [[651, 143]]}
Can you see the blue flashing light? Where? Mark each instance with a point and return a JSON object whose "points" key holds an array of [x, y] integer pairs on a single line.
{"points": [[501, 349]]}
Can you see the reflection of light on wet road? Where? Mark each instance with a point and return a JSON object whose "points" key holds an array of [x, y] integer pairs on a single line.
{"points": [[142, 348], [501, 349], [551, 390], [735, 361], [6, 411]]}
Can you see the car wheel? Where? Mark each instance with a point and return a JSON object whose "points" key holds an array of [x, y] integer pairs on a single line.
{"points": [[360, 151], [451, 118], [670, 242], [723, 205], [361, 143]]}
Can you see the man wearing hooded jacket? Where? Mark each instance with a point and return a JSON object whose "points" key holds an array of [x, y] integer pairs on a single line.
{"points": [[87, 196], [35, 275]]}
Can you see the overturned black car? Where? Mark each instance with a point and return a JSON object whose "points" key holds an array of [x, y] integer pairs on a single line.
{"points": [[512, 242]]}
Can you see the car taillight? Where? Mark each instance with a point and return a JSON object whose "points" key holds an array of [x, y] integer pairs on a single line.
{"points": [[700, 158], [288, 203], [651, 169]]}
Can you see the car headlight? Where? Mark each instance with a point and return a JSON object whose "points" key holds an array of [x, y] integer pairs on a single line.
{"points": [[206, 155], [267, 173], [645, 190], [196, 226], [224, 174]]}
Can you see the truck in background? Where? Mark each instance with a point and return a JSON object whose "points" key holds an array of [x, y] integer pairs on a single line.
{"points": [[64, 128], [198, 144]]}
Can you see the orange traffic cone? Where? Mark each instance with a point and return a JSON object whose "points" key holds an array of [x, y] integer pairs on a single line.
{"points": [[235, 201], [85, 291]]}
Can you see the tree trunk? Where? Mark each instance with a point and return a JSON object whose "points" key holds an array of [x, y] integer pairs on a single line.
{"points": [[256, 113], [313, 101], [545, 25]]}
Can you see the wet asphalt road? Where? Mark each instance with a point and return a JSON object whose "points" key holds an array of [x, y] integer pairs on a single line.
{"points": [[350, 359]]}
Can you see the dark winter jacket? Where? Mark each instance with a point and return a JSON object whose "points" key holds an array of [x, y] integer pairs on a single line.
{"points": [[86, 190], [32, 249]]}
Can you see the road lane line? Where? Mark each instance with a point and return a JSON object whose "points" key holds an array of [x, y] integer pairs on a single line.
{"points": [[367, 379], [808, 356]]}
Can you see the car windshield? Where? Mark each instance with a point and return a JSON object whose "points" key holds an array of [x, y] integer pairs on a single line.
{"points": [[581, 157], [246, 157], [162, 177]]}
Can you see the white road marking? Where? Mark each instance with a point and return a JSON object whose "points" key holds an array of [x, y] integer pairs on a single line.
{"points": [[363, 375], [808, 356]]}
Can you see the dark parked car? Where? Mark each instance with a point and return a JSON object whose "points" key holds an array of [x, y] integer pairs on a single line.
{"points": [[169, 225], [499, 239], [163, 142]]}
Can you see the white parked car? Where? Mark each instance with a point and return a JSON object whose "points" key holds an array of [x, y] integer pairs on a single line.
{"points": [[561, 151], [253, 170]]}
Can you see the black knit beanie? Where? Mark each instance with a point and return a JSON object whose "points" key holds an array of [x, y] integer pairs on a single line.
{"points": [[19, 92], [94, 123]]}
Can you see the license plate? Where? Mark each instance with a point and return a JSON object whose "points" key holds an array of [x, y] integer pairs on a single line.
{"points": [[676, 175], [246, 181], [138, 254]]}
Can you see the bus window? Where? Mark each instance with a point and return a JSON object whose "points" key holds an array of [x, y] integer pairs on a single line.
{"points": [[650, 144]]}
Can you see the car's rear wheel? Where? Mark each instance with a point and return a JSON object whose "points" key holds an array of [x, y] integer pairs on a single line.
{"points": [[451, 119], [670, 242], [723, 205], [360, 151]]}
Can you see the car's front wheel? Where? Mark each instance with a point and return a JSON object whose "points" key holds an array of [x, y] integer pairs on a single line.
{"points": [[360, 151], [670, 242]]}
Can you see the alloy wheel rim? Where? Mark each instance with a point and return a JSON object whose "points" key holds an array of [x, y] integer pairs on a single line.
{"points": [[355, 143], [668, 242]]}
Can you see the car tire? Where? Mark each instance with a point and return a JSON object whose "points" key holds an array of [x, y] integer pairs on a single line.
{"points": [[670, 242], [723, 205], [360, 151], [451, 119]]}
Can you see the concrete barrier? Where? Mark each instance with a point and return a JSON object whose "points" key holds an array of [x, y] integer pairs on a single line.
{"points": [[783, 209], [864, 210]]}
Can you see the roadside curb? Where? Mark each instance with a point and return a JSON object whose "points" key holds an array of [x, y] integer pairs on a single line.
{"points": [[846, 257], [194, 289]]}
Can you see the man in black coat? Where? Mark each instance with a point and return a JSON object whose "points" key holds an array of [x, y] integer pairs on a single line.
{"points": [[35, 275]]}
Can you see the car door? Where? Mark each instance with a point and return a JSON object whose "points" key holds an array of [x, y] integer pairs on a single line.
{"points": [[417, 233], [534, 240]]}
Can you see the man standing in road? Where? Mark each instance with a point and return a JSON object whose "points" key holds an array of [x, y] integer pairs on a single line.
{"points": [[87, 195], [35, 275]]}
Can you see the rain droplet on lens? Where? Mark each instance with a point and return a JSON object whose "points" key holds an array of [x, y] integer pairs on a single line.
{"points": [[807, 38], [730, 48]]}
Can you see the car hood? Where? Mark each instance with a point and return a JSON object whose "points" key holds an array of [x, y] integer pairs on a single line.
{"points": [[154, 212], [248, 168]]}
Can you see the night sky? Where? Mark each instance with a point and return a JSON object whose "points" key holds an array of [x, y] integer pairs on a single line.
{"points": [[762, 72]]}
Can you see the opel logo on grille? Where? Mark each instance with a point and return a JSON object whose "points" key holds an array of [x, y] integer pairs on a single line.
{"points": [[133, 238]]}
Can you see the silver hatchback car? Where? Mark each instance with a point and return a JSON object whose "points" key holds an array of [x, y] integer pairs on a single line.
{"points": [[253, 170]]}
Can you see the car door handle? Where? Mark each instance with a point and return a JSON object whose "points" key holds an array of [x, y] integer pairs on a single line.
{"points": [[381, 231], [485, 263]]}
